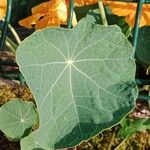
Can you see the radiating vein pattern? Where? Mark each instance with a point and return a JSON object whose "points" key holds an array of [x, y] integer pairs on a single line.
{"points": [[16, 117], [79, 80]]}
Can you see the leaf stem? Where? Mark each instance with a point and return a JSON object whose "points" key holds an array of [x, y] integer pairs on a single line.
{"points": [[70, 15], [13, 31], [102, 12], [10, 44], [7, 20], [137, 23]]}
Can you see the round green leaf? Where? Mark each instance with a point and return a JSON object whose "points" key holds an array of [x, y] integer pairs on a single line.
{"points": [[143, 48], [17, 118], [82, 80]]}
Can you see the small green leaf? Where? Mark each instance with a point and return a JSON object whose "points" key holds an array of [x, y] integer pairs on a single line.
{"points": [[17, 118], [130, 127], [143, 45], [82, 80]]}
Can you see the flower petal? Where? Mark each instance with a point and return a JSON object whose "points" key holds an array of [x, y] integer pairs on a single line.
{"points": [[47, 22], [3, 7], [128, 10], [80, 3], [31, 20]]}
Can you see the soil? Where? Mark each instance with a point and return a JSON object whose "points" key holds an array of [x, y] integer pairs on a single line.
{"points": [[108, 140], [5, 144]]}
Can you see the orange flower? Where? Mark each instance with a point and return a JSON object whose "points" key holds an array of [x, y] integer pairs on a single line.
{"points": [[3, 7], [80, 3], [52, 13], [128, 10]]}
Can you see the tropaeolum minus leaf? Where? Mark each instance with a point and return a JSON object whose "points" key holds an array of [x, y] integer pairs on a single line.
{"points": [[17, 118], [82, 80]]}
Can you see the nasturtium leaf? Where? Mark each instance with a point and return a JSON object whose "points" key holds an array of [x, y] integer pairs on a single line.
{"points": [[143, 48], [17, 118], [82, 80], [32, 144]]}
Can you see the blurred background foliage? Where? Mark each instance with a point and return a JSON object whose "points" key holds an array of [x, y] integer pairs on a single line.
{"points": [[22, 9]]}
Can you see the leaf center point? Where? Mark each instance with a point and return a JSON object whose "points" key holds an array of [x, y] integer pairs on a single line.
{"points": [[69, 62], [22, 120]]}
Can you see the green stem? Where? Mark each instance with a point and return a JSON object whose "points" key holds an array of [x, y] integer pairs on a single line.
{"points": [[102, 12], [7, 20], [137, 23], [70, 16], [15, 34], [11, 45]]}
